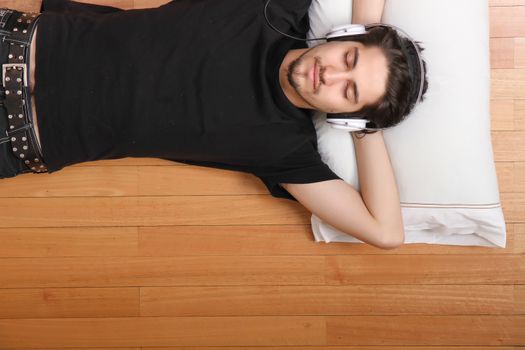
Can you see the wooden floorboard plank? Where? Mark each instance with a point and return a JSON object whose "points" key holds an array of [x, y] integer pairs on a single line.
{"points": [[164, 331], [151, 211], [263, 270], [426, 330], [115, 181], [268, 331], [185, 301]]}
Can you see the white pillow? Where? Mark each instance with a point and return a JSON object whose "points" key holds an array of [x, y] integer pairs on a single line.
{"points": [[442, 153]]}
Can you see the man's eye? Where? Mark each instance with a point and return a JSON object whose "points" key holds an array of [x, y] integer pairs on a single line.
{"points": [[346, 59]]}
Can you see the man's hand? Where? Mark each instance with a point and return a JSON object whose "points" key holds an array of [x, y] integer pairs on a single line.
{"points": [[367, 11]]}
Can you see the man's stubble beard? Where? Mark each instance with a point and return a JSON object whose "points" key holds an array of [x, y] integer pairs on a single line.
{"points": [[292, 71]]}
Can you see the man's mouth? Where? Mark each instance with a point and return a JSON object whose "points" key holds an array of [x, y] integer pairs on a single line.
{"points": [[314, 75]]}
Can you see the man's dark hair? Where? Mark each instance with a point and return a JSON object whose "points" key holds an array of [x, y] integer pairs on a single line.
{"points": [[402, 87]]}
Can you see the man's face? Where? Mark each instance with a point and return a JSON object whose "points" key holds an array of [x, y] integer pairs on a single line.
{"points": [[338, 76]]}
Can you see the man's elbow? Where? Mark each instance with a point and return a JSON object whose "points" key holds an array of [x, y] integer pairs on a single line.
{"points": [[392, 241]]}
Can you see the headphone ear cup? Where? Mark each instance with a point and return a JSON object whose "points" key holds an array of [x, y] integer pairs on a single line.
{"points": [[345, 30], [346, 121]]}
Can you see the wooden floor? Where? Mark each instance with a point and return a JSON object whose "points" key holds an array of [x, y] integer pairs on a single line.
{"points": [[149, 254]]}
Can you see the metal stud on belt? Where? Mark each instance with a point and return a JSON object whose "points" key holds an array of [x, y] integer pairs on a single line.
{"points": [[17, 94]]}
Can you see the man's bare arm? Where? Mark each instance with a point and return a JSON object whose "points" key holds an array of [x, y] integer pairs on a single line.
{"points": [[378, 184], [367, 11], [372, 216]]}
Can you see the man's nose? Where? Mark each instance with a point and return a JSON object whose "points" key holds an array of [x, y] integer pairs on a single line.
{"points": [[334, 75]]}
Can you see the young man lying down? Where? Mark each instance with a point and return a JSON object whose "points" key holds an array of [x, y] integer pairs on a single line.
{"points": [[216, 83]]}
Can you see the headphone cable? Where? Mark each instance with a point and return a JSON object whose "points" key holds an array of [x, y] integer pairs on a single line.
{"points": [[278, 31]]}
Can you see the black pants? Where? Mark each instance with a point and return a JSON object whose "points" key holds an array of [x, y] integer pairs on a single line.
{"points": [[10, 165]]}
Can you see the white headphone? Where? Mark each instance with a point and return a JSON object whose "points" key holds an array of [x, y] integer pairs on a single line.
{"points": [[353, 124]]}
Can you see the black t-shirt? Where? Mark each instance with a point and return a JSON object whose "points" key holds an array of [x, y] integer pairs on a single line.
{"points": [[193, 81]]}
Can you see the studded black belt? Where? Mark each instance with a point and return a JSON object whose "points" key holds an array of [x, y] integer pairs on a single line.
{"points": [[16, 30]]}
